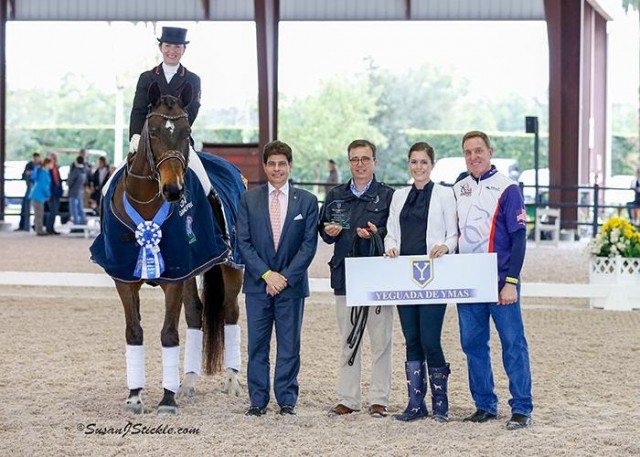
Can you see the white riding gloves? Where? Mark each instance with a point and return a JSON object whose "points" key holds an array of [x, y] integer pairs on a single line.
{"points": [[133, 143]]}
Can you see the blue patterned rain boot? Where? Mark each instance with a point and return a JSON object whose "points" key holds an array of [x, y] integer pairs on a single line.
{"points": [[417, 388], [438, 378]]}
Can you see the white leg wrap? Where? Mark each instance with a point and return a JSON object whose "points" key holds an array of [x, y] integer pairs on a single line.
{"points": [[193, 351], [135, 367], [232, 347], [171, 368]]}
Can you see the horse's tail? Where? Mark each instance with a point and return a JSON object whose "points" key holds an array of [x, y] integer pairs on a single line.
{"points": [[213, 319]]}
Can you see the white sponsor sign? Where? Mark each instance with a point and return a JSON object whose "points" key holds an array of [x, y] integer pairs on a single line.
{"points": [[412, 280]]}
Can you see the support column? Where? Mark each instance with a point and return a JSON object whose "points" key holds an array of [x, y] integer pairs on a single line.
{"points": [[577, 99], [267, 16], [3, 107], [564, 19]]}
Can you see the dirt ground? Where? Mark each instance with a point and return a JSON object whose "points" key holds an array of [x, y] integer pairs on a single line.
{"points": [[62, 377]]}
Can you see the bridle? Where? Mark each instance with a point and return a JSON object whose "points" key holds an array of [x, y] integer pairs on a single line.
{"points": [[154, 165]]}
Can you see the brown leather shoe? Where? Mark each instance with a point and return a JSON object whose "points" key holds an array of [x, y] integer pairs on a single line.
{"points": [[378, 411], [341, 410]]}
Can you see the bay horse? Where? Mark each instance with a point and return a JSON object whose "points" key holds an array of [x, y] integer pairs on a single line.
{"points": [[155, 201]]}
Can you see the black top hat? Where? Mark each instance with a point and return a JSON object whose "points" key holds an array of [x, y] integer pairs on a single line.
{"points": [[173, 35]]}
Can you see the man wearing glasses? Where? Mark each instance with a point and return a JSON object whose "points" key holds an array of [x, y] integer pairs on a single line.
{"points": [[351, 212]]}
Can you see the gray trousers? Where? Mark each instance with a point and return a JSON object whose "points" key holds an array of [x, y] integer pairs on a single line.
{"points": [[380, 330], [38, 215]]}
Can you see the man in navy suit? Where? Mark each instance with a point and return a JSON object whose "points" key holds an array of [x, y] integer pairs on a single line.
{"points": [[277, 238]]}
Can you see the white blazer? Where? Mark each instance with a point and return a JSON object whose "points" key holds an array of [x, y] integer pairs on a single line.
{"points": [[442, 224]]}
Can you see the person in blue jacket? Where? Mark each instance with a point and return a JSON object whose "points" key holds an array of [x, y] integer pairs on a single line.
{"points": [[40, 193]]}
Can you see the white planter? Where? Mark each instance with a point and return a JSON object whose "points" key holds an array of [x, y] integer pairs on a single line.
{"points": [[622, 274]]}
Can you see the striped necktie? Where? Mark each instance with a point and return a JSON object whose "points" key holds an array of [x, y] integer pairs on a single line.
{"points": [[275, 214]]}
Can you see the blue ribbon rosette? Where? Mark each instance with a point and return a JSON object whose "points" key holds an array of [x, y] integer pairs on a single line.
{"points": [[150, 264]]}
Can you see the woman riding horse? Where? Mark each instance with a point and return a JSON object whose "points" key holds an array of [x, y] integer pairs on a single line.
{"points": [[164, 223]]}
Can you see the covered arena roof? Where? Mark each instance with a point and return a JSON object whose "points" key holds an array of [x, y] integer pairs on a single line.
{"points": [[290, 10]]}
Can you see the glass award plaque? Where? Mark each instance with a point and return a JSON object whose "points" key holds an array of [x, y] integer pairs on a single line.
{"points": [[338, 213]]}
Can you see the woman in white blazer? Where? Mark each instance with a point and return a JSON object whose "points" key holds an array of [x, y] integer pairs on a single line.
{"points": [[422, 220]]}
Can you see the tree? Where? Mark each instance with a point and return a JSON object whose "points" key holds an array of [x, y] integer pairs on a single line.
{"points": [[320, 127], [420, 98]]}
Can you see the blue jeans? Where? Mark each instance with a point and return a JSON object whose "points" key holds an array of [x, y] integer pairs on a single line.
{"points": [[77, 211], [25, 214], [54, 206], [474, 336], [422, 329]]}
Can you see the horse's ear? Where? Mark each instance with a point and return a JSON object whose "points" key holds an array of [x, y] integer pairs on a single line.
{"points": [[154, 94], [186, 95]]}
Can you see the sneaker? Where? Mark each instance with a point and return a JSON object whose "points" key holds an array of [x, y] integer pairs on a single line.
{"points": [[255, 411], [519, 421], [287, 410], [480, 416]]}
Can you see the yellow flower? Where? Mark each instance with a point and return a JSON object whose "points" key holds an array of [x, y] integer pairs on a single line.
{"points": [[617, 237]]}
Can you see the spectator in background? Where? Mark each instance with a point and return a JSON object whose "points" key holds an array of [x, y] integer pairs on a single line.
{"points": [[333, 177], [25, 211], [56, 195], [634, 206], [88, 168], [40, 193], [76, 182], [98, 180]]}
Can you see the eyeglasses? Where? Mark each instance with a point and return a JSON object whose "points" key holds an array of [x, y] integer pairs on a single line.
{"points": [[363, 160]]}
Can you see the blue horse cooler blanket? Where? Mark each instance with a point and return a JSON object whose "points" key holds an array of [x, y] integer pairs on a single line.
{"points": [[192, 239]]}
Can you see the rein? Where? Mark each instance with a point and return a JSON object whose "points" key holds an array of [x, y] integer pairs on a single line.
{"points": [[153, 164], [360, 314]]}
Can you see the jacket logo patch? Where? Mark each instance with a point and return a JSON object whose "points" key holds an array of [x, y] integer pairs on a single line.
{"points": [[465, 191]]}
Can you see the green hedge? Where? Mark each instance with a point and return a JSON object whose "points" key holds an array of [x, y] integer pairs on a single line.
{"points": [[22, 142], [509, 145], [624, 149]]}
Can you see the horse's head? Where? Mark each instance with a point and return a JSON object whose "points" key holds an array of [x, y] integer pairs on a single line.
{"points": [[167, 136]]}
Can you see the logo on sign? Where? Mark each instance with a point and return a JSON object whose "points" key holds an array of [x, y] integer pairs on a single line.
{"points": [[421, 272]]}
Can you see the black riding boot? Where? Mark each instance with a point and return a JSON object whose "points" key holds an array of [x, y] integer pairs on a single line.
{"points": [[438, 378], [417, 389]]}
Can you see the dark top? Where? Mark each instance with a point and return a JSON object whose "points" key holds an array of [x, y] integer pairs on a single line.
{"points": [[140, 107], [372, 206], [56, 182], [637, 194], [26, 174], [413, 220]]}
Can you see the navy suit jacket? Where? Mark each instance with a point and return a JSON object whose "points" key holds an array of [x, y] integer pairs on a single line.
{"points": [[298, 240]]}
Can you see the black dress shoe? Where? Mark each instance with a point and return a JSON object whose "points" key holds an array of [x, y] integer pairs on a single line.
{"points": [[518, 421], [287, 410], [53, 232], [480, 416], [255, 411]]}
